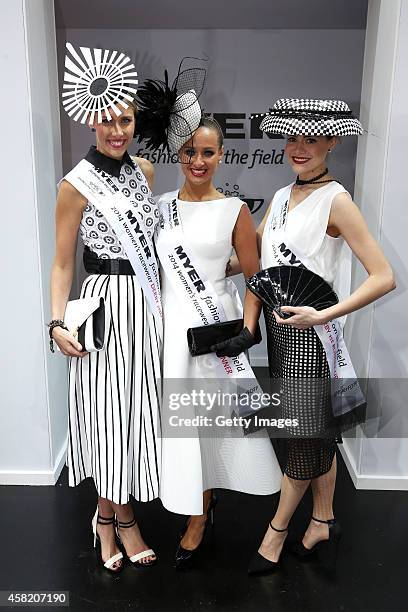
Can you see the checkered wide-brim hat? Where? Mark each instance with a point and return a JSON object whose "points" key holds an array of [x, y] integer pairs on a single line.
{"points": [[295, 117]]}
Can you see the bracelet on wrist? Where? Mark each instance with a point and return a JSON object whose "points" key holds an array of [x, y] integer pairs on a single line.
{"points": [[51, 326]]}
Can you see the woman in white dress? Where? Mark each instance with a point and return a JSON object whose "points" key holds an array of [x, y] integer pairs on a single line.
{"points": [[314, 224], [211, 226], [113, 395], [197, 232]]}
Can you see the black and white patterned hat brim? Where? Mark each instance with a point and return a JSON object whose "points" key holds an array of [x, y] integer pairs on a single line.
{"points": [[313, 105], [308, 117], [97, 81], [311, 127], [184, 120]]}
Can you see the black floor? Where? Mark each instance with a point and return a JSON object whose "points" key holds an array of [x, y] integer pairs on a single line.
{"points": [[46, 544]]}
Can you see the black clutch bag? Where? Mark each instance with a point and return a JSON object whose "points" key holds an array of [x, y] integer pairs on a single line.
{"points": [[201, 339]]}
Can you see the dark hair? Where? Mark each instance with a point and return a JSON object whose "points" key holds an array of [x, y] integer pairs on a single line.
{"points": [[212, 124]]}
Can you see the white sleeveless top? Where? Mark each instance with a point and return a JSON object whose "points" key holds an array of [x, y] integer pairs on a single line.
{"points": [[302, 237], [207, 227]]}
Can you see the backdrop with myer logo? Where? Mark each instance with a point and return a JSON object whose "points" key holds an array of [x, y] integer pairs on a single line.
{"points": [[247, 70]]}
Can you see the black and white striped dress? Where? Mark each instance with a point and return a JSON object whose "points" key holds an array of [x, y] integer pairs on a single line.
{"points": [[114, 393]]}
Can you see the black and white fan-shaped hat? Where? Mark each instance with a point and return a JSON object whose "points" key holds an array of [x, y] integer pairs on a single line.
{"points": [[169, 114], [184, 120], [296, 116], [97, 80]]}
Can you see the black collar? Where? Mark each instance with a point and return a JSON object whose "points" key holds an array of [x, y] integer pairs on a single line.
{"points": [[107, 164]]}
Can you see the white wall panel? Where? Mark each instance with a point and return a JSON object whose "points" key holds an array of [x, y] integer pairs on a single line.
{"points": [[377, 335], [33, 398]]}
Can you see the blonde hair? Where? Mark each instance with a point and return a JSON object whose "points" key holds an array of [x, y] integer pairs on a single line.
{"points": [[133, 105]]}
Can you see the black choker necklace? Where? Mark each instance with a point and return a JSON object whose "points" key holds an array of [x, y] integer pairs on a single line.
{"points": [[315, 179]]}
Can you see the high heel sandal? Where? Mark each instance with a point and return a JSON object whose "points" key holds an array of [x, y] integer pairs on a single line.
{"points": [[136, 559], [259, 565], [185, 556], [101, 520], [327, 549]]}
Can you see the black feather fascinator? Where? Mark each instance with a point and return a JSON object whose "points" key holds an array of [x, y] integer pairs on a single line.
{"points": [[168, 115]]}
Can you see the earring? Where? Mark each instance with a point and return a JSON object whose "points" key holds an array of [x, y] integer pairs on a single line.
{"points": [[220, 161], [329, 151]]}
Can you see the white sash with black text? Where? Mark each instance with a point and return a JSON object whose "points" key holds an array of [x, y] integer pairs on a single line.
{"points": [[346, 393], [127, 221], [200, 302]]}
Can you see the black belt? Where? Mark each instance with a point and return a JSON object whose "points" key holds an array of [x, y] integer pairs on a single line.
{"points": [[95, 265]]}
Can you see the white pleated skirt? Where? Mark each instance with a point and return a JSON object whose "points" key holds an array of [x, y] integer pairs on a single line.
{"points": [[114, 398]]}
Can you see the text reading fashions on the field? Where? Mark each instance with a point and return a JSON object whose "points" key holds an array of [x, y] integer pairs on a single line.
{"points": [[114, 393], [191, 465]]}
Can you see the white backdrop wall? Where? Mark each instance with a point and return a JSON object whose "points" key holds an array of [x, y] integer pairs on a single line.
{"points": [[377, 335], [247, 71], [33, 409]]}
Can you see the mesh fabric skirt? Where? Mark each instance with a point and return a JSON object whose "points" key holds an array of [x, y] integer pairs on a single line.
{"points": [[297, 358]]}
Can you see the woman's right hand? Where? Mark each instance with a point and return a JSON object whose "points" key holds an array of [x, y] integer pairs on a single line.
{"points": [[67, 343]]}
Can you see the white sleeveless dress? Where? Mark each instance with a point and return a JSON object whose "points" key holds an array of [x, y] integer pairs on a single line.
{"points": [[305, 231], [299, 238], [192, 465]]}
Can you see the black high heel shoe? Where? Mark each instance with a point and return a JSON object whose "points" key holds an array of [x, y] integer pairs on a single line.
{"points": [[327, 549], [101, 520], [184, 556], [136, 560], [259, 565]]}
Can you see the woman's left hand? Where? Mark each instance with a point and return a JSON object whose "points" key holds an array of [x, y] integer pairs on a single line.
{"points": [[302, 317], [236, 345]]}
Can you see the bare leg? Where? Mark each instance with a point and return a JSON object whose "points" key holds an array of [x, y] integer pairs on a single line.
{"points": [[291, 493], [131, 537], [106, 533], [196, 524], [323, 492]]}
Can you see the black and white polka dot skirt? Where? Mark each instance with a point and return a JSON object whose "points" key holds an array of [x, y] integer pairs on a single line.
{"points": [[297, 359]]}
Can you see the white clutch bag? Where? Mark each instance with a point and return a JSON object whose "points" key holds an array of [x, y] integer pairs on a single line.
{"points": [[86, 320]]}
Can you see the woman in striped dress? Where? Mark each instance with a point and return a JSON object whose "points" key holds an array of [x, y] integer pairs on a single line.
{"points": [[113, 393]]}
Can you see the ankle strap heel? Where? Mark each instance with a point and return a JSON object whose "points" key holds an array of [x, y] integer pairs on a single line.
{"points": [[102, 520], [332, 521], [259, 564], [334, 527], [278, 530], [126, 525], [137, 559]]}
